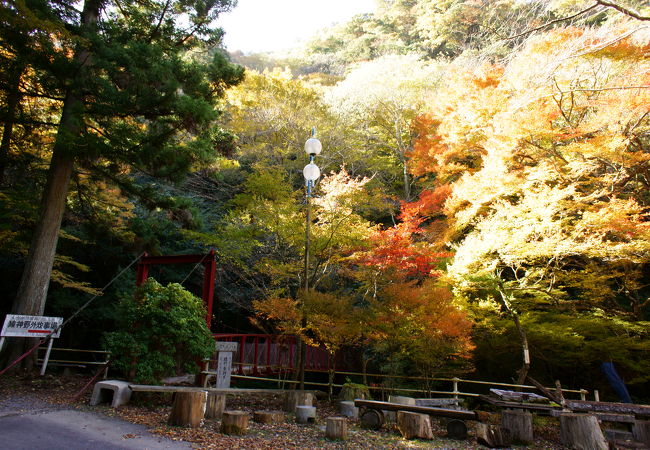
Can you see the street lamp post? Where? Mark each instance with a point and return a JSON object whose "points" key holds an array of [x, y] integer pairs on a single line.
{"points": [[311, 173]]}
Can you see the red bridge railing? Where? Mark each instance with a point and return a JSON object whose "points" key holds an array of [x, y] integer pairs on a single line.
{"points": [[268, 353]]}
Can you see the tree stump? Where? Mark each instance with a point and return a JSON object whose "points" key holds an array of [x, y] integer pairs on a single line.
{"points": [[336, 428], [414, 425], [492, 436], [348, 409], [297, 398], [351, 392], [188, 409], [305, 414], [372, 419], [641, 431], [215, 406], [268, 416], [234, 422], [582, 432], [457, 429], [520, 425]]}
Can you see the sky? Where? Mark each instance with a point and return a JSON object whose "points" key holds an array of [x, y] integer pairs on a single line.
{"points": [[275, 25]]}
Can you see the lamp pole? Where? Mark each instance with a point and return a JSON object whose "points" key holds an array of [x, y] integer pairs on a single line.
{"points": [[311, 173]]}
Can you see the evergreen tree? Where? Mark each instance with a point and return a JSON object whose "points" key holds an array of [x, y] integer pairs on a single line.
{"points": [[132, 100]]}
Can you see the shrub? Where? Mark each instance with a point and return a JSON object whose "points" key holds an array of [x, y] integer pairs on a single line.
{"points": [[161, 332]]}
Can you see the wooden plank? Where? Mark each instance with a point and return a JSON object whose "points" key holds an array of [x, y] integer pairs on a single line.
{"points": [[609, 407], [153, 388], [517, 405], [438, 412]]}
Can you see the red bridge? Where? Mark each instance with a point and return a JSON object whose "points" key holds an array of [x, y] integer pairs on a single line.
{"points": [[267, 353]]}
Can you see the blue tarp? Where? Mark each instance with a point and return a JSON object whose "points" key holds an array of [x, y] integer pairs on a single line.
{"points": [[616, 382]]}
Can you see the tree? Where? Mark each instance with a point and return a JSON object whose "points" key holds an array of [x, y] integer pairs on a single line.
{"points": [[556, 215], [161, 332], [130, 101], [381, 98]]}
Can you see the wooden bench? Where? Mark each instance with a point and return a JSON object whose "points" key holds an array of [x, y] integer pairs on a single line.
{"points": [[372, 416]]}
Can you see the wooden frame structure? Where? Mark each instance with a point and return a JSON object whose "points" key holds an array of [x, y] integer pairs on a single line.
{"points": [[209, 263]]}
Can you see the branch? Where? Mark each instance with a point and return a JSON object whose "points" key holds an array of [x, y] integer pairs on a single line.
{"points": [[552, 22], [622, 9]]}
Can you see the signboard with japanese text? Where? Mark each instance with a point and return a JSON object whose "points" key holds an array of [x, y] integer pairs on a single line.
{"points": [[31, 326]]}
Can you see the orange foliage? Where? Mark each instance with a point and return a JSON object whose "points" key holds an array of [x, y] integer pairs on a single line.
{"points": [[423, 320]]}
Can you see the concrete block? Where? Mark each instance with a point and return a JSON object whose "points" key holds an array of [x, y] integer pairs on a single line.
{"points": [[348, 409], [115, 392], [305, 414]]}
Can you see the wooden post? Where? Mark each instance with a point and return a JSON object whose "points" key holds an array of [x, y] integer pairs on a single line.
{"points": [[492, 435], [268, 416], [215, 406], [336, 428], [641, 431], [47, 355], [520, 425], [596, 395], [456, 380], [293, 399], [234, 422], [414, 425], [188, 409], [581, 431]]}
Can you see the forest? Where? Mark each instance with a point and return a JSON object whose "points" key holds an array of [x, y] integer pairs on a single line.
{"points": [[483, 208]]}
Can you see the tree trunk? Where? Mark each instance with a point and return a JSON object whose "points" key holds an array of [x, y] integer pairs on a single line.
{"points": [[523, 371], [216, 404], [188, 409], [582, 432], [234, 422], [268, 417], [520, 425], [12, 100], [32, 292], [293, 399], [492, 435], [336, 428], [414, 425]]}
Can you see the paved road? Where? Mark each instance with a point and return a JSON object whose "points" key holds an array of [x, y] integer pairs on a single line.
{"points": [[22, 426]]}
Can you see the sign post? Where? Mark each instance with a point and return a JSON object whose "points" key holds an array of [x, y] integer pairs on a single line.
{"points": [[32, 326], [225, 351]]}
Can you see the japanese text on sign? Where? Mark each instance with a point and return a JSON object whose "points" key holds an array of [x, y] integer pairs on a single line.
{"points": [[30, 326]]}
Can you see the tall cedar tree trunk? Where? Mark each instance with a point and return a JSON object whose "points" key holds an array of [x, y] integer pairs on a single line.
{"points": [[34, 284], [13, 99]]}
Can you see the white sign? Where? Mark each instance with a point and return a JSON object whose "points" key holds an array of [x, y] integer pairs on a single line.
{"points": [[226, 346], [31, 326], [224, 369]]}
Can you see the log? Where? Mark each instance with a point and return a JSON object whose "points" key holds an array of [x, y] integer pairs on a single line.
{"points": [[336, 428], [215, 406], [348, 409], [492, 436], [581, 431], [305, 414], [188, 409], [234, 422], [457, 429], [641, 431], [268, 416], [297, 398], [414, 425], [520, 425], [372, 419]]}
